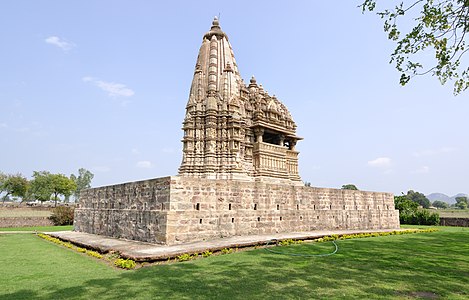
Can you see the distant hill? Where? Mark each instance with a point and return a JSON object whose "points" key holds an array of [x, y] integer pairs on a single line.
{"points": [[445, 198]]}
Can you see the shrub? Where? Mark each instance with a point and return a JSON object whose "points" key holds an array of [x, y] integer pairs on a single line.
{"points": [[420, 217], [226, 251], [288, 242], [423, 217], [206, 253], [94, 254], [410, 214], [372, 234], [184, 257], [62, 215], [125, 263]]}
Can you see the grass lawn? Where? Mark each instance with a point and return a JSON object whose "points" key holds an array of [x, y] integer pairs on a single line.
{"points": [[425, 265], [39, 228]]}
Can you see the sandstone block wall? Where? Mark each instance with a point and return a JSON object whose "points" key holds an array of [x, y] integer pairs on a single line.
{"points": [[134, 210], [461, 222], [178, 209]]}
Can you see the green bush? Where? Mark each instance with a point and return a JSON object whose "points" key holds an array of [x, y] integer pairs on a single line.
{"points": [[423, 217], [334, 237], [420, 217], [226, 250], [409, 213], [288, 242], [94, 254], [125, 263], [184, 257], [62, 215]]}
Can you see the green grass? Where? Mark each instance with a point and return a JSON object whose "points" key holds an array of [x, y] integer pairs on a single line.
{"points": [[39, 228], [392, 267]]}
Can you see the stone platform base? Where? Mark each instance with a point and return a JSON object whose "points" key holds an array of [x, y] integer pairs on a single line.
{"points": [[173, 210], [140, 251]]}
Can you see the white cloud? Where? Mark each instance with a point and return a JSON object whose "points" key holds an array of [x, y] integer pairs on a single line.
{"points": [[144, 164], [113, 89], [422, 170], [380, 162], [3, 125], [135, 151], [433, 152], [62, 44]]}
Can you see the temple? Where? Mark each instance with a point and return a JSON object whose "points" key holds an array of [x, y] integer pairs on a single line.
{"points": [[233, 130], [238, 175]]}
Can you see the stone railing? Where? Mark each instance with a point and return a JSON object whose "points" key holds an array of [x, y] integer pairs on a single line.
{"points": [[270, 147], [292, 154]]}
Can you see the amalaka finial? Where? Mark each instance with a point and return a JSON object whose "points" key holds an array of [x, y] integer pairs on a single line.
{"points": [[215, 30]]}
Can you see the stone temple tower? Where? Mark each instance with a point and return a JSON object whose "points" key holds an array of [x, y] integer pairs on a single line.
{"points": [[233, 130], [238, 176]]}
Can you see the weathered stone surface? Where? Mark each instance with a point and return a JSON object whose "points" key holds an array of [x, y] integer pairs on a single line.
{"points": [[201, 209], [461, 222], [135, 210], [139, 251]]}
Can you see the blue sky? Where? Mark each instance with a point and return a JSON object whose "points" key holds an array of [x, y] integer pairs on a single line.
{"points": [[103, 85]]}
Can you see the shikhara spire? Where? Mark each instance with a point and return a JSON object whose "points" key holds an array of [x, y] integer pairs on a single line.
{"points": [[233, 130]]}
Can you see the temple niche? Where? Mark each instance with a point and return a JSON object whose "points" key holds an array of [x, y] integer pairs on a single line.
{"points": [[233, 130]]}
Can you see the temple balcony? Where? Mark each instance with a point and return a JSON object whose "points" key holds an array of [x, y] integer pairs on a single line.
{"points": [[272, 160]]}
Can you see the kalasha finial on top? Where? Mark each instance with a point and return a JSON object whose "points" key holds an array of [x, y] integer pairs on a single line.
{"points": [[215, 22], [215, 30]]}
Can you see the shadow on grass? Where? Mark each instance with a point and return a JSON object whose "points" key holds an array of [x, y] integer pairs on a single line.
{"points": [[427, 265]]}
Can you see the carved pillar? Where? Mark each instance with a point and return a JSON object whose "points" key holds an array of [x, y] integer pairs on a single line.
{"points": [[292, 145], [281, 139], [259, 132]]}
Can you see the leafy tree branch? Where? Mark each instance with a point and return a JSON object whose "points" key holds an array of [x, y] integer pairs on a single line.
{"points": [[440, 27]]}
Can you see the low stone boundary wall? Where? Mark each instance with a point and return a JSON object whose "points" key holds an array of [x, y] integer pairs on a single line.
{"points": [[460, 222], [24, 222]]}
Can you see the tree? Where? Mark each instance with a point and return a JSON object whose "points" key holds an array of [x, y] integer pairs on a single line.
{"points": [[418, 198], [41, 186], [440, 26], [83, 181], [15, 185], [440, 204], [61, 185], [46, 186], [405, 205], [3, 177], [349, 187], [462, 202]]}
